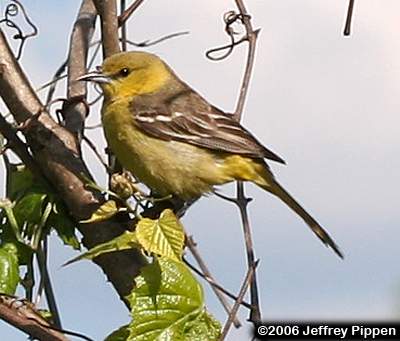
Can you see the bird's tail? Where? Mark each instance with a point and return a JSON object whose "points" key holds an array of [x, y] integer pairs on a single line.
{"points": [[272, 186]]}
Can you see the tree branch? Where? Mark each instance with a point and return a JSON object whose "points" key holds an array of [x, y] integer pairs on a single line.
{"points": [[57, 154], [75, 111], [25, 318], [109, 26], [128, 12], [19, 148]]}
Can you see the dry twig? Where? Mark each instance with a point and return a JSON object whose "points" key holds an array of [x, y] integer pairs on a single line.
{"points": [[349, 17], [191, 244], [23, 316], [246, 282], [241, 201], [128, 12], [11, 11]]}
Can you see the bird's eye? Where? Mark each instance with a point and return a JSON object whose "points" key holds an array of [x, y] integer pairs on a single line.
{"points": [[124, 72]]}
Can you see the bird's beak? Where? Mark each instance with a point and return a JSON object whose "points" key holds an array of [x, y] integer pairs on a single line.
{"points": [[95, 76]]}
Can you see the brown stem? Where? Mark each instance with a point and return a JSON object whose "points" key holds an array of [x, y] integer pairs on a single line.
{"points": [[110, 39], [74, 113], [191, 244], [349, 17], [128, 12], [26, 319], [246, 282], [109, 26], [48, 287], [216, 285], [19, 148], [123, 28], [252, 38], [242, 201]]}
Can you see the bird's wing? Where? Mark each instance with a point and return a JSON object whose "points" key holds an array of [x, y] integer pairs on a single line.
{"points": [[187, 117]]}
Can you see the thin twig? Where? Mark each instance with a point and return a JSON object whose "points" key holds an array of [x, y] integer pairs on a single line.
{"points": [[96, 152], [53, 83], [12, 10], [191, 244], [216, 285], [50, 83], [246, 282], [123, 27], [128, 12], [349, 17], [229, 47], [255, 314], [48, 288], [252, 38], [148, 43], [29, 279]]}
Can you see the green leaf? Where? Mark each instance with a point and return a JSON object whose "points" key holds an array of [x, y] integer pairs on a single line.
{"points": [[125, 241], [20, 180], [164, 237], [64, 226], [120, 334], [9, 269], [168, 305], [28, 210], [204, 328], [104, 212], [7, 206]]}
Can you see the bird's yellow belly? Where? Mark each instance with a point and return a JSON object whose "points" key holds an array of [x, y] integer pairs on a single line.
{"points": [[166, 167]]}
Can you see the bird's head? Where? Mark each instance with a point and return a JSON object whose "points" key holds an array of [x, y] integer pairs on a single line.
{"points": [[130, 74]]}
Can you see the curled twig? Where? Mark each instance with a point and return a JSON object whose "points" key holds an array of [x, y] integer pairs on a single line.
{"points": [[11, 11], [230, 18]]}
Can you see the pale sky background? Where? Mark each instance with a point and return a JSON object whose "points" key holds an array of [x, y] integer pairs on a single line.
{"points": [[327, 104]]}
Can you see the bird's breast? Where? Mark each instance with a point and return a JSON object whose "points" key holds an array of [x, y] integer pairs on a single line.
{"points": [[167, 167]]}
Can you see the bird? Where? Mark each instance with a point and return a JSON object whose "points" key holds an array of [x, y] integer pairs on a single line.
{"points": [[177, 143]]}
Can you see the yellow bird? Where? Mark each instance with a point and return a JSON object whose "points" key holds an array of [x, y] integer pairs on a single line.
{"points": [[174, 141]]}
